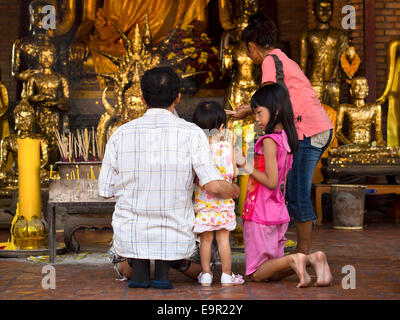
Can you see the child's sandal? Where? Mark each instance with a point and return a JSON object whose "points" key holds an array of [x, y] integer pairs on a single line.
{"points": [[205, 279], [231, 280]]}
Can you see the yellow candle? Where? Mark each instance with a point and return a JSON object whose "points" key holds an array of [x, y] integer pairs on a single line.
{"points": [[29, 182], [72, 175], [51, 172], [92, 173], [77, 172]]}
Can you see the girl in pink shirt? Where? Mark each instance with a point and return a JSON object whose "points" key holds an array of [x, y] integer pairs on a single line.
{"points": [[314, 129], [265, 216]]}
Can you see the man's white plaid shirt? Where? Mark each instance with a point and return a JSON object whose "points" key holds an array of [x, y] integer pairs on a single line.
{"points": [[149, 166]]}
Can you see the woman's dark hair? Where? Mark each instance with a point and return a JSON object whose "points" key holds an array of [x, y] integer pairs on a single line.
{"points": [[209, 115], [260, 30], [160, 87], [277, 100]]}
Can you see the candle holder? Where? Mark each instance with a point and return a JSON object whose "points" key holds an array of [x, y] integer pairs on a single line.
{"points": [[77, 182]]}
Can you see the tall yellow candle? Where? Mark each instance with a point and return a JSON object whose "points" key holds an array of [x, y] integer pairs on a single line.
{"points": [[29, 181]]}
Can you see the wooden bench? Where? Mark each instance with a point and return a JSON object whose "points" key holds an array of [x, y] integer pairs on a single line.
{"points": [[320, 189]]}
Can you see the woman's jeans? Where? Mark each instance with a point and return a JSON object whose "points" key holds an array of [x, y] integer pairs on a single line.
{"points": [[299, 180]]}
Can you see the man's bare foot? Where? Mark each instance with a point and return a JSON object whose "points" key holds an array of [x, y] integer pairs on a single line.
{"points": [[298, 264], [320, 264]]}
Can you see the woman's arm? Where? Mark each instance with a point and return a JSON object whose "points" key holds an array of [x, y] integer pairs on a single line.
{"points": [[269, 178]]}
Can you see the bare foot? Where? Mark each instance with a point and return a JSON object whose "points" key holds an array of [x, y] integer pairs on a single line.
{"points": [[298, 264], [320, 264]]}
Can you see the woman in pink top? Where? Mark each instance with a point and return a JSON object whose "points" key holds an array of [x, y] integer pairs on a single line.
{"points": [[314, 129], [265, 214]]}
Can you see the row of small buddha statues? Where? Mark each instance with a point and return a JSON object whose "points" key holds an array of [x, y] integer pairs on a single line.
{"points": [[322, 51]]}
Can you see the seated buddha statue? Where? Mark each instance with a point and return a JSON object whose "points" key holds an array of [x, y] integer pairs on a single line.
{"points": [[48, 91], [24, 124], [358, 146]]}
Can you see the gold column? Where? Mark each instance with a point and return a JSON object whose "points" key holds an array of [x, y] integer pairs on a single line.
{"points": [[28, 230]]}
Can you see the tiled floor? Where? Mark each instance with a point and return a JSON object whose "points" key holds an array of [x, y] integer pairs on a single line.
{"points": [[374, 252]]}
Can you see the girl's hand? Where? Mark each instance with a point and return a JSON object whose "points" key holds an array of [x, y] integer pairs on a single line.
{"points": [[241, 112], [239, 157]]}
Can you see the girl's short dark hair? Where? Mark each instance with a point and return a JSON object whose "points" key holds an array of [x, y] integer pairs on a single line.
{"points": [[277, 100], [260, 30], [160, 87], [209, 115]]}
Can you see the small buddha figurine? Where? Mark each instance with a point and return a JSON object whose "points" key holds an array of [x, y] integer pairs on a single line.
{"points": [[362, 116], [320, 52], [48, 91], [24, 124]]}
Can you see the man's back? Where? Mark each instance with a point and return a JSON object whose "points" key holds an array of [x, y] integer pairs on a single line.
{"points": [[149, 166]]}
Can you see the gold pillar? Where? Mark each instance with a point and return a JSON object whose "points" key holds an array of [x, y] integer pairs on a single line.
{"points": [[28, 231], [29, 181]]}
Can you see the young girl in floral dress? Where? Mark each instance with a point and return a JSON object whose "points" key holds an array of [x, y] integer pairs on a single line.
{"points": [[214, 214]]}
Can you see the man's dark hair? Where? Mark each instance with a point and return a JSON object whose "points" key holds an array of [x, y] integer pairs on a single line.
{"points": [[160, 87], [317, 2], [260, 30]]}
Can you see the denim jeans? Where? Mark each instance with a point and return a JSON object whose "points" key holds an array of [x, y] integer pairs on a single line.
{"points": [[299, 180]]}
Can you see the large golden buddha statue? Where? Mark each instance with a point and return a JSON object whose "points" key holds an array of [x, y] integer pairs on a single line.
{"points": [[26, 50], [48, 91], [320, 52], [245, 74], [358, 147], [24, 116], [392, 93], [96, 29]]}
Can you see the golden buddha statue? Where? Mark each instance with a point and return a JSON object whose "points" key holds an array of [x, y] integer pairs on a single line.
{"points": [[320, 52], [26, 50], [358, 147], [246, 75], [48, 91], [96, 29], [24, 116], [392, 93]]}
